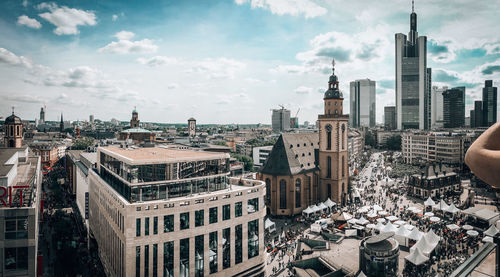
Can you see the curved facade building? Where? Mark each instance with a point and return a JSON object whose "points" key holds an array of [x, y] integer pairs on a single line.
{"points": [[379, 255], [164, 212]]}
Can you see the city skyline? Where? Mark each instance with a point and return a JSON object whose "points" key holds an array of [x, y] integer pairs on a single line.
{"points": [[186, 60]]}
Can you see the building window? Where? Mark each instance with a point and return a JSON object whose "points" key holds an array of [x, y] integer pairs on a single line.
{"points": [[226, 212], [168, 259], [11, 131], [17, 130], [329, 188], [16, 258], [343, 166], [155, 225], [184, 220], [199, 218], [184, 257], [268, 191], [253, 205], [155, 260], [146, 226], [212, 215], [329, 140], [226, 248], [146, 260], [238, 244], [328, 167], [16, 227], [343, 136], [199, 243], [137, 227], [138, 261], [282, 194], [238, 209], [168, 223], [253, 238], [213, 251], [298, 193]]}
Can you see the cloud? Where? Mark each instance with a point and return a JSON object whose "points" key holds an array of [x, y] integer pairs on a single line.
{"points": [[307, 8], [386, 84], [157, 61], [25, 3], [114, 17], [172, 86], [218, 68], [24, 98], [29, 22], [490, 69], [303, 90], [492, 48], [10, 58], [442, 75], [442, 51], [125, 45], [66, 19]]}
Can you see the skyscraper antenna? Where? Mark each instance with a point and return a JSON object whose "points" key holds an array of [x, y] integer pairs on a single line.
{"points": [[412, 6]]}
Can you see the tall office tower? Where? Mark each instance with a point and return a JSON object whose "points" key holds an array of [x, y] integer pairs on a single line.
{"points": [[412, 79], [333, 158], [280, 120], [489, 104], [437, 107], [192, 127], [454, 107], [363, 105], [165, 212], [476, 115], [390, 117], [61, 124], [91, 119], [42, 115]]}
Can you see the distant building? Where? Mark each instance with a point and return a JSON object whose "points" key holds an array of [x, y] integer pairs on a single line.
{"points": [[362, 103], [21, 181], [306, 124], [437, 107], [134, 122], [244, 148], [49, 151], [390, 117], [42, 115], [91, 119], [454, 107], [489, 104], [413, 80], [424, 147], [294, 122], [138, 135], [175, 213], [192, 127], [379, 256], [280, 120], [355, 143], [13, 126], [382, 136], [476, 114], [61, 124], [260, 155], [435, 181]]}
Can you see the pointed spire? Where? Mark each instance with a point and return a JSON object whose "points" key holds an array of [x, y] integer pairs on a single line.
{"points": [[412, 6], [12, 110]]}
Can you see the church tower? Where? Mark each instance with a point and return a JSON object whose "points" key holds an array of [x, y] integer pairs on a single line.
{"points": [[13, 131], [61, 124], [134, 122], [333, 157]]}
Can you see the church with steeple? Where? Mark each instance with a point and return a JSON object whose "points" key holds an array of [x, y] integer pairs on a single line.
{"points": [[13, 127], [307, 169]]}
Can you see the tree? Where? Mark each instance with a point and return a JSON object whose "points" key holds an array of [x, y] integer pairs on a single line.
{"points": [[246, 160], [394, 143], [82, 143], [221, 143], [370, 140]]}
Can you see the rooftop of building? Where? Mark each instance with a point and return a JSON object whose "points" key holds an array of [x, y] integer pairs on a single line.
{"points": [[136, 130], [160, 154]]}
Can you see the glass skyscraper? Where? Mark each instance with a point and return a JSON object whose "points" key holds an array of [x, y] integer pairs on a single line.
{"points": [[362, 106]]}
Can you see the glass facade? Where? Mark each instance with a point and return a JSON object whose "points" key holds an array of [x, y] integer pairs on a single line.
{"points": [[199, 218], [199, 242], [184, 220], [238, 209], [168, 259], [168, 223], [184, 257], [213, 252], [253, 238], [213, 215], [238, 244], [226, 212], [16, 258], [226, 248], [16, 227]]}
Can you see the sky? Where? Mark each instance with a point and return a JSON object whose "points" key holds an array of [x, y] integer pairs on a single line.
{"points": [[227, 61]]}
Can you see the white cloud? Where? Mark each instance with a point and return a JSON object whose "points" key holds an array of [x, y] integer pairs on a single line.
{"points": [[114, 17], [125, 45], [157, 61], [307, 8], [172, 86], [303, 90], [30, 22], [25, 3], [66, 19], [10, 58], [23, 98]]}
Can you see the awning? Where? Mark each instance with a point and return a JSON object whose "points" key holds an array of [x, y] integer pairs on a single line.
{"points": [[416, 257], [492, 231], [429, 202]]}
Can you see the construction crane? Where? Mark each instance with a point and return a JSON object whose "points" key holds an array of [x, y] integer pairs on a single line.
{"points": [[297, 112]]}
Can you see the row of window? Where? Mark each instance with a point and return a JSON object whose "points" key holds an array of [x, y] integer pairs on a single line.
{"points": [[199, 217], [199, 252]]}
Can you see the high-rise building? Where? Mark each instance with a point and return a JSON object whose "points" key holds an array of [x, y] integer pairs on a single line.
{"points": [[280, 120], [454, 107], [476, 114], [413, 79], [42, 115], [437, 107], [134, 122], [390, 117], [362, 103], [192, 127], [91, 119], [333, 156], [163, 212], [489, 104], [61, 124]]}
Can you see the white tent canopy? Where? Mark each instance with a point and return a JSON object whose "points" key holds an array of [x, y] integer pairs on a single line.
{"points": [[424, 246], [452, 209], [376, 208], [415, 234], [329, 203], [432, 238], [363, 221], [315, 208], [392, 218], [269, 225], [352, 221], [416, 257], [383, 213], [452, 227], [409, 226], [364, 209], [429, 202], [487, 239], [308, 211], [389, 227], [322, 206], [492, 231], [441, 205], [400, 222], [372, 214], [435, 219], [379, 226]]}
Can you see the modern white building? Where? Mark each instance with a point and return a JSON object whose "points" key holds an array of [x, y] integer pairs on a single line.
{"points": [[362, 103], [165, 212], [260, 155], [437, 107], [421, 147], [413, 80]]}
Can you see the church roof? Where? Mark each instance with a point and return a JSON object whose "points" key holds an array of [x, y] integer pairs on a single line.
{"points": [[13, 119], [292, 154]]}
